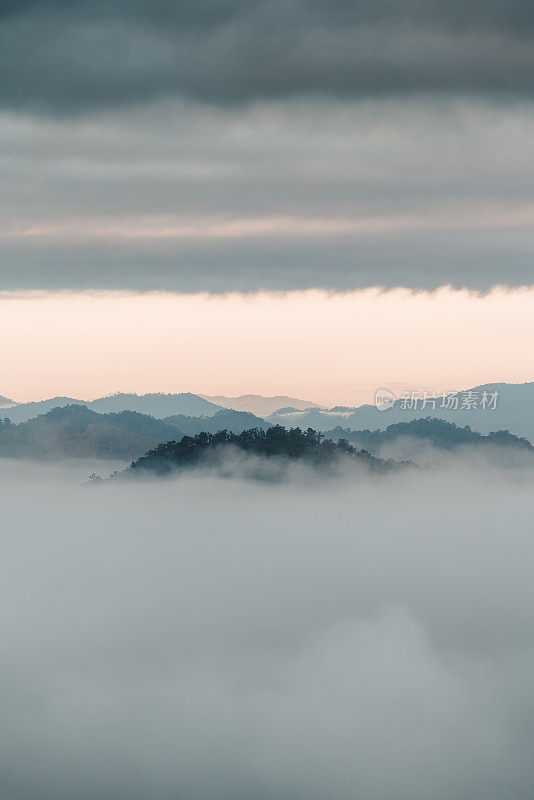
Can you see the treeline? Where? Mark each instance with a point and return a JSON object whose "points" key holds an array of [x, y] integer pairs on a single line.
{"points": [[76, 432], [308, 446], [441, 434]]}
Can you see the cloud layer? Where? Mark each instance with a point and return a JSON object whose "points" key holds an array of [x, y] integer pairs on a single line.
{"points": [[186, 198], [274, 642], [99, 54], [274, 144]]}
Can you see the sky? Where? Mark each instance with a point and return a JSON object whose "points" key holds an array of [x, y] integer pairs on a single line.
{"points": [[268, 147], [328, 348]]}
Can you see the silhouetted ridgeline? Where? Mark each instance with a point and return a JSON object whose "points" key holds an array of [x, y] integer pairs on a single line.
{"points": [[513, 412], [76, 432], [155, 404], [210, 449], [437, 432]]}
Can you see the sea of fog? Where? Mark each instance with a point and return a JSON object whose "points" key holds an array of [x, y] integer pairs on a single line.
{"points": [[215, 639]]}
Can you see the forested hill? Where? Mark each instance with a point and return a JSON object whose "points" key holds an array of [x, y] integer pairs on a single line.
{"points": [[437, 432], [76, 432], [308, 446]]}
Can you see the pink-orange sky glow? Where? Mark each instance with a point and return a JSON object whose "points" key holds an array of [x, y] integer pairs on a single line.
{"points": [[327, 348]]}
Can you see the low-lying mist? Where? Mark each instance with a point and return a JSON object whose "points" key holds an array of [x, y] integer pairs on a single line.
{"points": [[213, 639], [493, 457]]}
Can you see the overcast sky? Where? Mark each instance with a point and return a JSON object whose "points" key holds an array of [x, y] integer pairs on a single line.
{"points": [[236, 145]]}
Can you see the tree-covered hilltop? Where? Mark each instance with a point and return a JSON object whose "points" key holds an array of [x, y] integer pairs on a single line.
{"points": [[294, 444], [438, 432], [76, 432]]}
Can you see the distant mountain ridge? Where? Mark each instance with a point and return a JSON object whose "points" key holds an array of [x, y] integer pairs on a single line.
{"points": [[260, 405], [77, 432], [158, 406], [514, 412], [438, 433], [226, 419], [5, 402], [25, 411]]}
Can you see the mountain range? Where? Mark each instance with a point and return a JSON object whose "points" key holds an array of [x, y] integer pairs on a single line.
{"points": [[226, 419], [513, 411], [261, 406], [422, 440], [5, 402], [158, 406], [76, 431]]}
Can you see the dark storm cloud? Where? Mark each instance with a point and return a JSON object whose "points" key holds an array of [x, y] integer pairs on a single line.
{"points": [[69, 57]]}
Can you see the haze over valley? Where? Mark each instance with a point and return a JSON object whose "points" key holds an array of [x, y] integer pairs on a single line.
{"points": [[266, 400]]}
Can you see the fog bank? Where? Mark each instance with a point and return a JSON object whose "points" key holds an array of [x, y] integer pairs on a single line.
{"points": [[216, 639]]}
